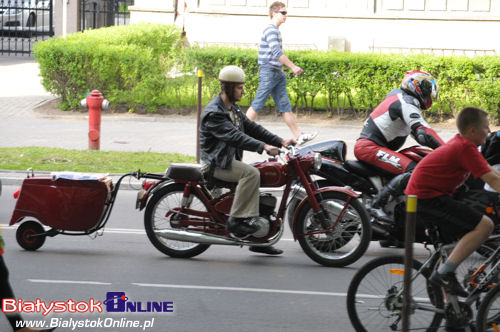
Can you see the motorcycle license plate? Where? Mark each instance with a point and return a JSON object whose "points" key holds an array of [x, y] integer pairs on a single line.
{"points": [[140, 195]]}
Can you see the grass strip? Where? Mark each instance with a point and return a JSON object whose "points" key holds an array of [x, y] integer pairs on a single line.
{"points": [[56, 159]]}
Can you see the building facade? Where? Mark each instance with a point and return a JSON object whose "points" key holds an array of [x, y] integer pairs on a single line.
{"points": [[460, 27]]}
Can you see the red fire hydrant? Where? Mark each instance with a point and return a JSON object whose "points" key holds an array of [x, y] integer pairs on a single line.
{"points": [[95, 102]]}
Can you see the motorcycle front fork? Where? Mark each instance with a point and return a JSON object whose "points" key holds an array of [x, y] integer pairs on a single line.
{"points": [[325, 219]]}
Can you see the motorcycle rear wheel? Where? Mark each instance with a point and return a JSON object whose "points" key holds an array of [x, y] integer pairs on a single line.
{"points": [[346, 243], [163, 201]]}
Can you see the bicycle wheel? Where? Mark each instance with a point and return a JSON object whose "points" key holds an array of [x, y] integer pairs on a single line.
{"points": [[375, 302], [488, 315]]}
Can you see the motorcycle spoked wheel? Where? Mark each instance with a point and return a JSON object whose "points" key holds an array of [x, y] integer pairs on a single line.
{"points": [[346, 243], [294, 202], [166, 199]]}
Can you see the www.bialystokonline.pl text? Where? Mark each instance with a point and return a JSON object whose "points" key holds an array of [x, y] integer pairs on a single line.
{"points": [[101, 323]]}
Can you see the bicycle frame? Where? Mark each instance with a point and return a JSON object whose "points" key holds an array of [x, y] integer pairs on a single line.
{"points": [[478, 287]]}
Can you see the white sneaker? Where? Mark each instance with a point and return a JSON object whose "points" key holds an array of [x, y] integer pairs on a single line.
{"points": [[306, 138]]}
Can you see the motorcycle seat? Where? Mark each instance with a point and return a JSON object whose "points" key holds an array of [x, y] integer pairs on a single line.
{"points": [[190, 172], [363, 169]]}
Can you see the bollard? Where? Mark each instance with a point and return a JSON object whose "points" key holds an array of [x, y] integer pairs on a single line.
{"points": [[411, 216], [95, 103], [200, 75]]}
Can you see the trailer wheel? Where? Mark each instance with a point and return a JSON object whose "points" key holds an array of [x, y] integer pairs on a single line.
{"points": [[25, 235]]}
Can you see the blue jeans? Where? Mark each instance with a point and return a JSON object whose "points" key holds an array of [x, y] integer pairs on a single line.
{"points": [[272, 83]]}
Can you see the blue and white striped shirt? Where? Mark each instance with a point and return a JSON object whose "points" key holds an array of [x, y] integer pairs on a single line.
{"points": [[270, 48]]}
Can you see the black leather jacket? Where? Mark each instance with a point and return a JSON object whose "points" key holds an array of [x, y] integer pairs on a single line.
{"points": [[224, 134]]}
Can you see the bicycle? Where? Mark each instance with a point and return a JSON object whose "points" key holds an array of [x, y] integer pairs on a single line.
{"points": [[488, 315], [375, 300]]}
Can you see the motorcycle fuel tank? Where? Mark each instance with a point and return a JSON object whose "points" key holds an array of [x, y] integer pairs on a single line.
{"points": [[272, 173]]}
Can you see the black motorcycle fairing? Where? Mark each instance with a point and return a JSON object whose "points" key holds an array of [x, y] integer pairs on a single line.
{"points": [[338, 175], [481, 200], [333, 149], [366, 170]]}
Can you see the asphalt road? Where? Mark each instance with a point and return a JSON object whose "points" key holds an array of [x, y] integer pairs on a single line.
{"points": [[223, 289]]}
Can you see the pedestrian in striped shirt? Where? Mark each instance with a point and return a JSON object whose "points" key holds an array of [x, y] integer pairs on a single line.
{"points": [[272, 79]]}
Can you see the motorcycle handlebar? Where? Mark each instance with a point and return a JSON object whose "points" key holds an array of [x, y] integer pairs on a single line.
{"points": [[289, 149]]}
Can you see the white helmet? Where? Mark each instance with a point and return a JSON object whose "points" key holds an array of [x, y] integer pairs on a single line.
{"points": [[232, 74]]}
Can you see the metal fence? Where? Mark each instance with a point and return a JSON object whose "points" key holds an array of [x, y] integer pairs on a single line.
{"points": [[23, 22], [104, 13]]}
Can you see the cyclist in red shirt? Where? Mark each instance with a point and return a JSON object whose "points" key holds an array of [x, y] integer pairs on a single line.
{"points": [[436, 178]]}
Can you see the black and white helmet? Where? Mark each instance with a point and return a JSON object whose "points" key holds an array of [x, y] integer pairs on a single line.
{"points": [[422, 85]]}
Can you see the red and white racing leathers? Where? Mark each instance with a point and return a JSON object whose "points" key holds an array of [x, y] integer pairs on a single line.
{"points": [[386, 130]]}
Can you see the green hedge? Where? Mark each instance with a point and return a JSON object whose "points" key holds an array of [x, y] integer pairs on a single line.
{"points": [[339, 81], [133, 65], [128, 64]]}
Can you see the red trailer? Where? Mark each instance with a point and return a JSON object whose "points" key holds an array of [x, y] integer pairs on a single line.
{"points": [[69, 206]]}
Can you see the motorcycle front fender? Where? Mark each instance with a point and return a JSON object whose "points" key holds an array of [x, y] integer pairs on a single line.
{"points": [[345, 190]]}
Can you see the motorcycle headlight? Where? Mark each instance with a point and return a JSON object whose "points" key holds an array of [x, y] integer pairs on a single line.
{"points": [[317, 161]]}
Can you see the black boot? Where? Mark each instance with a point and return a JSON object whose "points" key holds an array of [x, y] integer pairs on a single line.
{"points": [[270, 250], [395, 187], [241, 227]]}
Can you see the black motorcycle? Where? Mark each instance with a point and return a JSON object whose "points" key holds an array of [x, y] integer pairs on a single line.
{"points": [[368, 180]]}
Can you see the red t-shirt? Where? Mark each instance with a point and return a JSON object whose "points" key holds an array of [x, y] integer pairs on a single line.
{"points": [[446, 168]]}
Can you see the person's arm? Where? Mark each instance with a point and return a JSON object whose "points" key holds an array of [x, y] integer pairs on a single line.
{"points": [[271, 37], [220, 126], [420, 129], [287, 62], [260, 133], [493, 179], [427, 136]]}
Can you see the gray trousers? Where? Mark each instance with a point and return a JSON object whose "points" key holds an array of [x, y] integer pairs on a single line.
{"points": [[246, 198]]}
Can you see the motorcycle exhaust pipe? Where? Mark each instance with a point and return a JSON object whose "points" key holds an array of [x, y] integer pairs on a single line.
{"points": [[380, 230], [186, 236], [334, 206]]}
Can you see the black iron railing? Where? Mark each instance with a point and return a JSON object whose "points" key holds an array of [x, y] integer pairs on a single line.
{"points": [[24, 22], [103, 13]]}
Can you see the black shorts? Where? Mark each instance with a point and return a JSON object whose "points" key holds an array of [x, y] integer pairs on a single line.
{"points": [[453, 218]]}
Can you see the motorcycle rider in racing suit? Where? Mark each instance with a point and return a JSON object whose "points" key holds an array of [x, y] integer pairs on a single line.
{"points": [[387, 128], [225, 132]]}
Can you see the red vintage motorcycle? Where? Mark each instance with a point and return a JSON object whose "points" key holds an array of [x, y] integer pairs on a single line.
{"points": [[185, 216]]}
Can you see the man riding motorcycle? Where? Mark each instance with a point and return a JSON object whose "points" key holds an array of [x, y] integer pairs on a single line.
{"points": [[225, 132], [387, 128]]}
